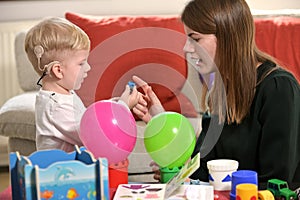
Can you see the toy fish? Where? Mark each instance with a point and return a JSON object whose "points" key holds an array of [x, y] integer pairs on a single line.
{"points": [[72, 193], [47, 194], [91, 193]]}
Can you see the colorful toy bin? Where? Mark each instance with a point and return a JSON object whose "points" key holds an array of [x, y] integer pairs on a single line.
{"points": [[55, 174]]}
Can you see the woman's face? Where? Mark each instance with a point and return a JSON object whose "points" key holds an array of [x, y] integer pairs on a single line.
{"points": [[200, 51]]}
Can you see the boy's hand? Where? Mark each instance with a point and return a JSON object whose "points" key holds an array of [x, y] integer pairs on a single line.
{"points": [[130, 96], [149, 105]]}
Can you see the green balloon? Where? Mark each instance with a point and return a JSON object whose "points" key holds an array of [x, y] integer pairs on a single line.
{"points": [[169, 139]]}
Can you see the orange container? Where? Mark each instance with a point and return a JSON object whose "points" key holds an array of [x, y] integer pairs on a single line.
{"points": [[118, 174], [246, 191]]}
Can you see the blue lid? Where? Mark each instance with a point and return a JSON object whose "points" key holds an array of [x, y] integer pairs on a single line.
{"points": [[242, 176]]}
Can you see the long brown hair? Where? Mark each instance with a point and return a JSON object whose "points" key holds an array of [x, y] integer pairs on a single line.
{"points": [[236, 57]]}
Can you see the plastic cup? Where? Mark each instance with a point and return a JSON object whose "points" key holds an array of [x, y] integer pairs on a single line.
{"points": [[220, 172], [242, 176]]}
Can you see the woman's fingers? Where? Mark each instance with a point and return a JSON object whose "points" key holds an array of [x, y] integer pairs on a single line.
{"points": [[143, 116], [139, 111], [143, 100], [150, 95], [144, 85]]}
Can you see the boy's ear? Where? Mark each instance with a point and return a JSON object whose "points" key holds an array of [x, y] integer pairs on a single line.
{"points": [[57, 71]]}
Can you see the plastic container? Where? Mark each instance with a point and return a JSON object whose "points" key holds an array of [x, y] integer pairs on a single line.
{"points": [[118, 174], [220, 172], [246, 191], [242, 176]]}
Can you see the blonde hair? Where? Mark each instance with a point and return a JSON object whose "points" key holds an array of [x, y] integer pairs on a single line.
{"points": [[53, 36]]}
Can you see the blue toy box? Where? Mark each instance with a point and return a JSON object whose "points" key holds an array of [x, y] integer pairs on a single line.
{"points": [[55, 174]]}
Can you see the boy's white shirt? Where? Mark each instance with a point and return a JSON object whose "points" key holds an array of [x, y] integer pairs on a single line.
{"points": [[57, 119]]}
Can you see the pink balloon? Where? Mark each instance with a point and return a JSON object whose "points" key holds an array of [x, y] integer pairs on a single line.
{"points": [[108, 129]]}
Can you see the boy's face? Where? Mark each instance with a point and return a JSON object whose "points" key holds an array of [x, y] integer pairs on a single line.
{"points": [[75, 69]]}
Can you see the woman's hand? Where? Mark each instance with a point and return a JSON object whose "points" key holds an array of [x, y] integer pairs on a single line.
{"points": [[149, 105], [155, 169]]}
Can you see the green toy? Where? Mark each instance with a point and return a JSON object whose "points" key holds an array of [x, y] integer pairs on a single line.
{"points": [[280, 189]]}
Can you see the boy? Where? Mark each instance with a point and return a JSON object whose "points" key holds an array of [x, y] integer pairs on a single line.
{"points": [[58, 50]]}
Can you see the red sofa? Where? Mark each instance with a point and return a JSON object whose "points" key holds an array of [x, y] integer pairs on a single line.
{"points": [[280, 37], [137, 41]]}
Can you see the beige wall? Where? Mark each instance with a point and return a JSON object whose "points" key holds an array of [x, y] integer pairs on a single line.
{"points": [[274, 4], [38, 9], [22, 10]]}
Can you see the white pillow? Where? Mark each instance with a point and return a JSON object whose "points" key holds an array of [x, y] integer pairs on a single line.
{"points": [[26, 75], [17, 117]]}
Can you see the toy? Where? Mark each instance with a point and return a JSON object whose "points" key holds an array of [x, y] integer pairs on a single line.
{"points": [[280, 189], [242, 176], [265, 195], [140, 191], [131, 85], [246, 191], [174, 189], [169, 139], [220, 173], [298, 192], [108, 129], [54, 174]]}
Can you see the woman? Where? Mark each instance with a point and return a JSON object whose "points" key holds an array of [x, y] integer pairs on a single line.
{"points": [[252, 110]]}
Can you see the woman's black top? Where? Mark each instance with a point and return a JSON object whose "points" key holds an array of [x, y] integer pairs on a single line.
{"points": [[268, 139]]}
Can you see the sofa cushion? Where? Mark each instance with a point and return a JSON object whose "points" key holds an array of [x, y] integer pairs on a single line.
{"points": [[122, 46], [17, 117], [4, 160], [27, 77]]}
